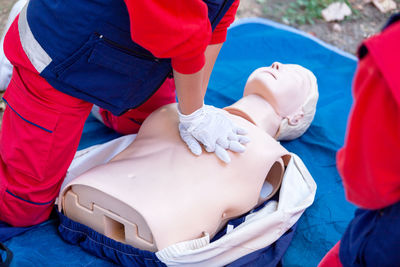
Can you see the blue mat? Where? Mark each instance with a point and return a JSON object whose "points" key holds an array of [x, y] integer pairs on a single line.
{"points": [[252, 43]]}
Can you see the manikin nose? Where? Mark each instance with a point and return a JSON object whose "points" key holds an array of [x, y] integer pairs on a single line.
{"points": [[276, 65]]}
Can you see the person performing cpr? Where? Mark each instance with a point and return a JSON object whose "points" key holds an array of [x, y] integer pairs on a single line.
{"points": [[127, 57]]}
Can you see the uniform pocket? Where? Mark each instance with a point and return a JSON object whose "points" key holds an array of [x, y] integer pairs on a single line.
{"points": [[21, 212], [27, 133], [111, 73]]}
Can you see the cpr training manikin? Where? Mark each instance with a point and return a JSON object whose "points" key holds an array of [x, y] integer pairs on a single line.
{"points": [[155, 195]]}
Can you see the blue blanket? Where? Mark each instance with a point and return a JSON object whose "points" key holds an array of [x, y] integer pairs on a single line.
{"points": [[251, 43]]}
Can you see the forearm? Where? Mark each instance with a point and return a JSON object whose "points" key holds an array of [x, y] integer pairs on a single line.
{"points": [[211, 55], [191, 88]]}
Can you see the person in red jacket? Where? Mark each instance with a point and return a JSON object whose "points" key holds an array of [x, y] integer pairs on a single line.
{"points": [[369, 160], [204, 44], [48, 100]]}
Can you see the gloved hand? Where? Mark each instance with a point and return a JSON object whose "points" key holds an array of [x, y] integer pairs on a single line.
{"points": [[212, 128]]}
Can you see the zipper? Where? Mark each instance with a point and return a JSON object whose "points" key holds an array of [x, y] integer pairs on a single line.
{"points": [[127, 50], [138, 54], [220, 11]]}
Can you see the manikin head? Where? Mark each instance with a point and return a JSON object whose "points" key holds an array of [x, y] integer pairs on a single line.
{"points": [[291, 90]]}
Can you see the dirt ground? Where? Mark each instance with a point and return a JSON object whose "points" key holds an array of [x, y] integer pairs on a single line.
{"points": [[5, 7], [346, 34]]}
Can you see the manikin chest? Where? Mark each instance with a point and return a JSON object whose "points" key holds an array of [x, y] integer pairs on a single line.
{"points": [[158, 186]]}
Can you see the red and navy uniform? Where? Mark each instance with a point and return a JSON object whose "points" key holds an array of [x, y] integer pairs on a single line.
{"points": [[369, 160], [69, 54]]}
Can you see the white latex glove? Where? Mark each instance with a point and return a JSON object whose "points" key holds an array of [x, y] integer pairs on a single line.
{"points": [[214, 130]]}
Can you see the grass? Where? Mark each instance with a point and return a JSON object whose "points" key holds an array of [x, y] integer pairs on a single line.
{"points": [[307, 11], [301, 12]]}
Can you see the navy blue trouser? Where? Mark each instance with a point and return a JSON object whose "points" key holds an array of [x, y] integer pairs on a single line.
{"points": [[372, 238]]}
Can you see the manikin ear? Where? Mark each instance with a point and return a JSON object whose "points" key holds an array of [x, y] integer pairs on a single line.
{"points": [[294, 125], [294, 119]]}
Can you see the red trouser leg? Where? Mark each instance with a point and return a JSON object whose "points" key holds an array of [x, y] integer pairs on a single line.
{"points": [[130, 121], [40, 134], [331, 258]]}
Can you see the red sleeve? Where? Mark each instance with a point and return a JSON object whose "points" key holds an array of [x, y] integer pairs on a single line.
{"points": [[369, 162], [219, 33], [178, 29]]}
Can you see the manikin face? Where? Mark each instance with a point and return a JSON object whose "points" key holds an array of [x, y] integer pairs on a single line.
{"points": [[285, 86]]}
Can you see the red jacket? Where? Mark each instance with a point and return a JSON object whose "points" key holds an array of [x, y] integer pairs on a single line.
{"points": [[179, 30], [369, 162]]}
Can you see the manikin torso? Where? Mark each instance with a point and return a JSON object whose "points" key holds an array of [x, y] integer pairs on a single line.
{"points": [[156, 193], [172, 189]]}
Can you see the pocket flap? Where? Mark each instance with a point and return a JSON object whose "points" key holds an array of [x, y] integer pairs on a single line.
{"points": [[111, 58]]}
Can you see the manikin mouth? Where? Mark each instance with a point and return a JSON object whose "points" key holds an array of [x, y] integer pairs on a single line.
{"points": [[272, 74]]}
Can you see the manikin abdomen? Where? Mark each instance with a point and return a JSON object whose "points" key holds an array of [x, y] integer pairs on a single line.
{"points": [[172, 195]]}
